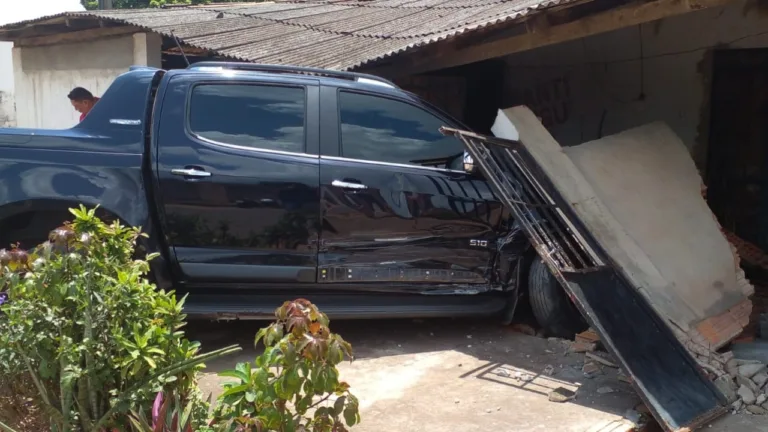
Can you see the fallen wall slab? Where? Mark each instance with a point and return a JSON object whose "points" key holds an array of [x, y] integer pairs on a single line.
{"points": [[666, 375], [639, 195]]}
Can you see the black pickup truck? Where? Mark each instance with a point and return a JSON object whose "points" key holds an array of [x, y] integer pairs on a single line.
{"points": [[260, 183]]}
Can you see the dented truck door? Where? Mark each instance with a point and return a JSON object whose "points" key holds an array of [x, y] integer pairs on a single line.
{"points": [[396, 206], [665, 374]]}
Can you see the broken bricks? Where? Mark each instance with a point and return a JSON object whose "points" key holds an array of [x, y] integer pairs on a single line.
{"points": [[590, 369], [745, 386]]}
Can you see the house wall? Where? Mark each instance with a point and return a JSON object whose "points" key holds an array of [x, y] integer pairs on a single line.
{"points": [[7, 108], [597, 86], [45, 75]]}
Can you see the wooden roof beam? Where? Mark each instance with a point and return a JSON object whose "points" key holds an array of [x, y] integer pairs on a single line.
{"points": [[540, 30]]}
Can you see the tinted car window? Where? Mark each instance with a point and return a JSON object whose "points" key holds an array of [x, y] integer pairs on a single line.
{"points": [[386, 130], [259, 116]]}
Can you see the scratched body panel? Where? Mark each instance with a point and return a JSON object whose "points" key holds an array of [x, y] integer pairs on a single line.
{"points": [[409, 225]]}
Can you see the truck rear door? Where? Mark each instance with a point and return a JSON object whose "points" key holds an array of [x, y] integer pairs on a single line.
{"points": [[238, 176]]}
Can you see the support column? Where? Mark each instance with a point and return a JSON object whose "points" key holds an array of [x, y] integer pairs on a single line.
{"points": [[147, 49]]}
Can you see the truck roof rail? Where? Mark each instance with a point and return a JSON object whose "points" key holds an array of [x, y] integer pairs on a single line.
{"points": [[272, 68]]}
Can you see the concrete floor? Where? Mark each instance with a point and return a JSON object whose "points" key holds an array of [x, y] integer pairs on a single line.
{"points": [[440, 375]]}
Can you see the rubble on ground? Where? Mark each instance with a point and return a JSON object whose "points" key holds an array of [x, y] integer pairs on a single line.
{"points": [[561, 395], [743, 381]]}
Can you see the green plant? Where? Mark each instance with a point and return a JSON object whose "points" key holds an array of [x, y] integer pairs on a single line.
{"points": [[169, 414], [291, 384], [96, 339]]}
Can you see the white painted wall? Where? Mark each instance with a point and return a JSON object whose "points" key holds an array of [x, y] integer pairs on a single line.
{"points": [[578, 85], [45, 75], [14, 11], [7, 106]]}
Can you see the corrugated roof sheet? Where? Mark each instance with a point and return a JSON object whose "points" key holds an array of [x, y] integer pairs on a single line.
{"points": [[334, 34]]}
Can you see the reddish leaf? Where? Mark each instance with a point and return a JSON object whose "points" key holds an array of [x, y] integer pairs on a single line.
{"points": [[315, 327]]}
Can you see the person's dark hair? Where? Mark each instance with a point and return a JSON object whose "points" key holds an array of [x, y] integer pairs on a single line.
{"points": [[79, 94]]}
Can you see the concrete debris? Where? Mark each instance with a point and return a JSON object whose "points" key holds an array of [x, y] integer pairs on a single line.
{"points": [[524, 377], [750, 370], [605, 390], [591, 369], [589, 336], [745, 385], [582, 347], [727, 387], [549, 370], [760, 379], [758, 410], [747, 395], [746, 382], [736, 406], [600, 359], [501, 372], [633, 416], [623, 377], [561, 395]]}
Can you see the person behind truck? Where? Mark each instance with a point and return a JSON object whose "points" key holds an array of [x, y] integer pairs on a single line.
{"points": [[82, 100]]}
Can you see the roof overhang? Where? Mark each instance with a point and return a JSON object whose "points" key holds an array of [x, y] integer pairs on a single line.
{"points": [[68, 27], [345, 38]]}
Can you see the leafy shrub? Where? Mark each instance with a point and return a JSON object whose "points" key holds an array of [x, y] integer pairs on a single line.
{"points": [[290, 386], [93, 335]]}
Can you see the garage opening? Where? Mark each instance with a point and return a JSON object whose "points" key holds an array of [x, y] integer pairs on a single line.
{"points": [[737, 162]]}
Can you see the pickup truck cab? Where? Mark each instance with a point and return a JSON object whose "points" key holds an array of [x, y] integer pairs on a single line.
{"points": [[261, 183]]}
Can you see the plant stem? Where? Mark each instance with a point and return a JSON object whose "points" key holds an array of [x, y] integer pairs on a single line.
{"points": [[6, 428], [296, 418], [88, 336]]}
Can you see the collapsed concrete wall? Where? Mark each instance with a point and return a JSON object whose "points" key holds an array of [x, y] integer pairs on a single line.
{"points": [[639, 194]]}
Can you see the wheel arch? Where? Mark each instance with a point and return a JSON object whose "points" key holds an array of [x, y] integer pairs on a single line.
{"points": [[35, 218]]}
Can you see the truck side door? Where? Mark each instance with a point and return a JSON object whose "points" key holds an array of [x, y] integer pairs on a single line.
{"points": [[237, 174], [397, 207]]}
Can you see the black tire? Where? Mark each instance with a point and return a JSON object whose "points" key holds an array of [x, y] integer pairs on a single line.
{"points": [[553, 310]]}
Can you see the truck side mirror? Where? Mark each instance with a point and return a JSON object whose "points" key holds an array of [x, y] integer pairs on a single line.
{"points": [[469, 164]]}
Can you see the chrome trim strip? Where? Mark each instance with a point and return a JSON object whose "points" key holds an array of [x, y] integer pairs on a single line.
{"points": [[343, 159], [125, 122], [253, 149]]}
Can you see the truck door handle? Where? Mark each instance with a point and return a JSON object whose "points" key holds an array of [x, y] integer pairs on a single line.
{"points": [[348, 185], [190, 172]]}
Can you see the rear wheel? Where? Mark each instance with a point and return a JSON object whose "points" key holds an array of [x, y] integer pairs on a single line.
{"points": [[552, 308], [31, 228]]}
